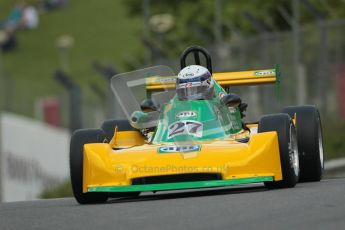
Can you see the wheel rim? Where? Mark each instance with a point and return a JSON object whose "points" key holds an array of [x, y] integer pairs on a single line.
{"points": [[293, 150], [320, 143]]}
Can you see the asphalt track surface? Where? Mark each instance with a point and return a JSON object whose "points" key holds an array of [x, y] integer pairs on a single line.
{"points": [[307, 206]]}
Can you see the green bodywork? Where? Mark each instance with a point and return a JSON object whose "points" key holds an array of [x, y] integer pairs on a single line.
{"points": [[180, 185], [218, 121]]}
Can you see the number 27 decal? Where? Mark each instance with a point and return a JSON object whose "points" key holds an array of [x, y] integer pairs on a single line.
{"points": [[177, 128]]}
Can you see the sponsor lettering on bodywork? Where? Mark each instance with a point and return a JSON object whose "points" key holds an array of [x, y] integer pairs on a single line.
{"points": [[264, 73], [185, 114], [178, 149]]}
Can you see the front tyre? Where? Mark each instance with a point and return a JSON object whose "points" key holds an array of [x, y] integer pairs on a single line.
{"points": [[109, 126], [310, 143], [282, 124], [78, 140]]}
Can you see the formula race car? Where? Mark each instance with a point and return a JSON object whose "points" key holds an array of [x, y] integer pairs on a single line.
{"points": [[186, 131]]}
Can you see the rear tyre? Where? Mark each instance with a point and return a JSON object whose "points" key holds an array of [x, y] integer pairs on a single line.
{"points": [[282, 124], [109, 126], [79, 138], [310, 142]]}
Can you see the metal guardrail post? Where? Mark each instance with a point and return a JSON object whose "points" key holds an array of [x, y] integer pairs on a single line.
{"points": [[75, 115]]}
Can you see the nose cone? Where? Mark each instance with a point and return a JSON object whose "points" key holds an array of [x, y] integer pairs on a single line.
{"points": [[230, 159]]}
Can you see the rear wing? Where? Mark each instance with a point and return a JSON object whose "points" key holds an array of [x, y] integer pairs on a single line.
{"points": [[253, 77]]}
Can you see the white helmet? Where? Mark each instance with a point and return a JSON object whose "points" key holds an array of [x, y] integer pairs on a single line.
{"points": [[194, 82]]}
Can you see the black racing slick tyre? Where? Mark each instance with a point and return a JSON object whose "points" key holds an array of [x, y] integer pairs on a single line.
{"points": [[78, 140], [108, 127], [283, 125], [310, 143]]}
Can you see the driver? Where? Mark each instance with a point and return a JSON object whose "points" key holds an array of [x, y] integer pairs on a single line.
{"points": [[194, 82]]}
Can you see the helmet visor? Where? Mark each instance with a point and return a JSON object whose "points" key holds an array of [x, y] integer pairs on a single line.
{"points": [[194, 93]]}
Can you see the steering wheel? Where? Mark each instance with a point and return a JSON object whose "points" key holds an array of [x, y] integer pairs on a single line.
{"points": [[196, 50]]}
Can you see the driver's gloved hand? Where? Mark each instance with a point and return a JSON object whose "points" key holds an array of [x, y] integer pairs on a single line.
{"points": [[233, 100]]}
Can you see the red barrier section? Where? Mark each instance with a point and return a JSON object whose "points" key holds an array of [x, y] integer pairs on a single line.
{"points": [[51, 111]]}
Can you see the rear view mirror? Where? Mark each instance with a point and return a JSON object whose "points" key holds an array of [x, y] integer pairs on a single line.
{"points": [[148, 105]]}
